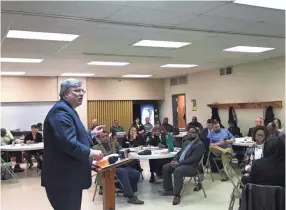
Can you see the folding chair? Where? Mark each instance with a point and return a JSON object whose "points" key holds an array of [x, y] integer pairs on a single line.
{"points": [[7, 166], [208, 164], [236, 182], [96, 182], [197, 178]]}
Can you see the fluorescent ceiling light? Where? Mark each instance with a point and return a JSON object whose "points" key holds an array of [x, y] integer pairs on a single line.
{"points": [[166, 44], [178, 65], [12, 73], [107, 63], [41, 35], [137, 75], [21, 60], [77, 74], [248, 49], [273, 4]]}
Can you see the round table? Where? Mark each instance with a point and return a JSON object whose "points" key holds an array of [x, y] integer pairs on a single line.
{"points": [[20, 147], [243, 142]]}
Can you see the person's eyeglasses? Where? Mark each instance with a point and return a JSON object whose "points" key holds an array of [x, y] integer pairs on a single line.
{"points": [[260, 135], [79, 90]]}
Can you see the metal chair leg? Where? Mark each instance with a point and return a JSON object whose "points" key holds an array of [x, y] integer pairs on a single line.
{"points": [[201, 183], [96, 187]]}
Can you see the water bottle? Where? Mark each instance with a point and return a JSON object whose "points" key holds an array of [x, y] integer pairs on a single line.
{"points": [[169, 141], [13, 143]]}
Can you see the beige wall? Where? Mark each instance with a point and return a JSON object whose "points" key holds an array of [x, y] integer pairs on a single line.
{"points": [[125, 89], [28, 89], [261, 81]]}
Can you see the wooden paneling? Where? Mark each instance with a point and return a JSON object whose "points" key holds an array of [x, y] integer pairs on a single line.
{"points": [[108, 111]]}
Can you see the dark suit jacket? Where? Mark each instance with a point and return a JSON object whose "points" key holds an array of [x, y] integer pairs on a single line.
{"points": [[268, 171], [66, 163], [39, 138], [250, 132], [193, 155]]}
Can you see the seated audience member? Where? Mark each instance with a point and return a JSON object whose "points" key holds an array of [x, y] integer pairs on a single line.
{"points": [[254, 152], [270, 169], [272, 130], [94, 123], [204, 138], [194, 123], [116, 127], [233, 129], [133, 139], [158, 139], [7, 138], [258, 122], [168, 127], [148, 126], [128, 176], [34, 137], [221, 141], [185, 164], [140, 130], [278, 125], [40, 128]]}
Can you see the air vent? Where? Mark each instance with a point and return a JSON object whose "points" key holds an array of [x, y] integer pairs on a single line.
{"points": [[182, 80], [225, 71]]}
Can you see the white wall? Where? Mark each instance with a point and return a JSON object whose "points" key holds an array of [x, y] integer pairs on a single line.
{"points": [[261, 81]]}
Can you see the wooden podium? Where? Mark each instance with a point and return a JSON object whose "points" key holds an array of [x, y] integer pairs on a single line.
{"points": [[108, 174]]}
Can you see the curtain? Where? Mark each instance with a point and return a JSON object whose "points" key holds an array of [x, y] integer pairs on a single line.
{"points": [[107, 111]]}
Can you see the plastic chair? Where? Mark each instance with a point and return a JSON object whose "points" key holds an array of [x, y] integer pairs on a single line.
{"points": [[7, 166], [197, 178], [236, 182]]}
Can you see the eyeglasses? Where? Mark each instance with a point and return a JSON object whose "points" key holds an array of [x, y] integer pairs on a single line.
{"points": [[260, 135], [79, 91]]}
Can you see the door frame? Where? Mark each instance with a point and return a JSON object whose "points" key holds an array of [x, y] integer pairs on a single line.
{"points": [[179, 94]]}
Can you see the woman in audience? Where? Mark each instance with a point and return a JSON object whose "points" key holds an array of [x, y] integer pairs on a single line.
{"points": [[133, 138], [140, 130], [34, 137], [233, 129], [278, 126], [254, 152], [270, 169]]}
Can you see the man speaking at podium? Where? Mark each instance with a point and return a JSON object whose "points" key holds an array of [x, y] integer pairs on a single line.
{"points": [[67, 150]]}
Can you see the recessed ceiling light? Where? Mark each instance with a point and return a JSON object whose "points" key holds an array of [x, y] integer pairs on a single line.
{"points": [[12, 73], [178, 65], [40, 35], [248, 49], [21, 60], [107, 63], [273, 4], [166, 44], [76, 74], [137, 76]]}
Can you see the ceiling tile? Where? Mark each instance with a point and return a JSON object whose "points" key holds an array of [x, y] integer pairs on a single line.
{"points": [[149, 16], [266, 28], [242, 12]]}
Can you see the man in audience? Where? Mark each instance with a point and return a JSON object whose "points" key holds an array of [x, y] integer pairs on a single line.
{"points": [[204, 138], [168, 127], [221, 141], [116, 127], [128, 176], [40, 128], [194, 123], [258, 122], [7, 138], [148, 126], [185, 164], [94, 124]]}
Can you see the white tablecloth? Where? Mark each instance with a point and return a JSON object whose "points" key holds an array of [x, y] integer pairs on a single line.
{"points": [[156, 154], [243, 142], [20, 147]]}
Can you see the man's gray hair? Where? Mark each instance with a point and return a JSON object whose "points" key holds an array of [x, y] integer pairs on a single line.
{"points": [[69, 83]]}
